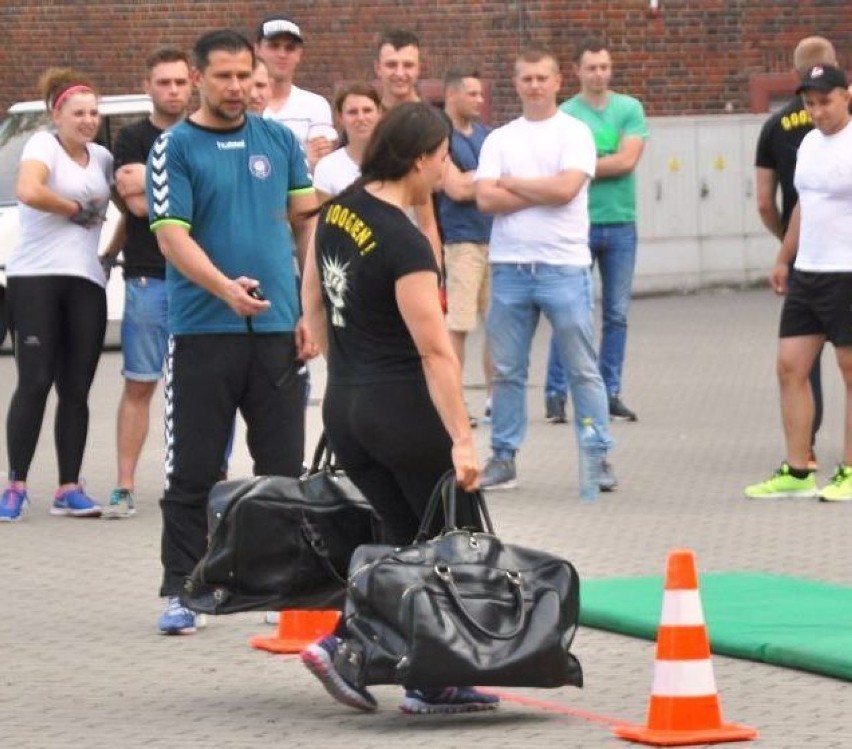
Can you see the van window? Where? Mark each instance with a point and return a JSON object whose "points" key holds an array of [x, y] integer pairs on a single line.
{"points": [[15, 131]]}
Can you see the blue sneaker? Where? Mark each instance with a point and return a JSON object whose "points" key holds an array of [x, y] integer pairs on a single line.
{"points": [[75, 503], [12, 505], [319, 660], [177, 619], [447, 700]]}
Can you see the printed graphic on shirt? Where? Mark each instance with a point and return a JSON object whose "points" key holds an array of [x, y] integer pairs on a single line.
{"points": [[259, 166], [335, 281]]}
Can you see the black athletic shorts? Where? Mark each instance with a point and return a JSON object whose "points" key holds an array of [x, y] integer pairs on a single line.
{"points": [[818, 304]]}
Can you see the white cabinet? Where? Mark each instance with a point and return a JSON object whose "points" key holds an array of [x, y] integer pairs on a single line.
{"points": [[698, 222]]}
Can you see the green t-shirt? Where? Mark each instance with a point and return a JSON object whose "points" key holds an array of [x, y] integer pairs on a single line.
{"points": [[612, 200]]}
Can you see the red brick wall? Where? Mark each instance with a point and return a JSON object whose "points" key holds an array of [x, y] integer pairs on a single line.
{"points": [[695, 57]]}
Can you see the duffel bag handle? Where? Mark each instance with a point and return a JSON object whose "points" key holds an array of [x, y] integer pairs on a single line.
{"points": [[445, 575], [445, 493], [322, 456]]}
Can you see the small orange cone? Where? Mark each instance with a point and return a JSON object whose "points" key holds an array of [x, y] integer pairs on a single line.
{"points": [[297, 630], [684, 707]]}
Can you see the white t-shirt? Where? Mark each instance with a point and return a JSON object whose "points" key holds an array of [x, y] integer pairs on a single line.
{"points": [[824, 182], [301, 110], [335, 172], [558, 234], [50, 244]]}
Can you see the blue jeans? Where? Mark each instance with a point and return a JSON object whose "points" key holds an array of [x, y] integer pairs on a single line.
{"points": [[520, 292], [613, 249]]}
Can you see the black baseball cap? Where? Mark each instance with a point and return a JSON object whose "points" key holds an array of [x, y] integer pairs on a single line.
{"points": [[823, 78], [275, 26]]}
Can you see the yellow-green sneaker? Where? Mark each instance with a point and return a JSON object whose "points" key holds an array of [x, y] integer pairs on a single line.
{"points": [[781, 485], [839, 489]]}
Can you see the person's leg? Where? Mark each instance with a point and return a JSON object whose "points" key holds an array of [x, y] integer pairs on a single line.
{"points": [[815, 380], [844, 361], [555, 385], [512, 319], [273, 406], [134, 410], [795, 359], [33, 305], [144, 337], [82, 339], [801, 336], [564, 294], [614, 250], [465, 263], [204, 375]]}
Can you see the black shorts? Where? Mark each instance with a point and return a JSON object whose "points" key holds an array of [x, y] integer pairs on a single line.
{"points": [[818, 304]]}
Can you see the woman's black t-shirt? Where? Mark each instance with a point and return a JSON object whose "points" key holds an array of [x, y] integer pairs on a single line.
{"points": [[363, 246]]}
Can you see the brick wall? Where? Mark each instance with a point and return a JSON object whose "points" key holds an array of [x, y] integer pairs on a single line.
{"points": [[696, 56]]}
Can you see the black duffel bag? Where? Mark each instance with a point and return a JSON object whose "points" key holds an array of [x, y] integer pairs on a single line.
{"points": [[463, 608], [281, 543]]}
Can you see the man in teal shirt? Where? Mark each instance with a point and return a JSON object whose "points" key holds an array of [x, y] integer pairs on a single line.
{"points": [[617, 122]]}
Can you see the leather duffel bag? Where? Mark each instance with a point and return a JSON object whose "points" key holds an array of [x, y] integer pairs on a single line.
{"points": [[278, 542], [463, 608]]}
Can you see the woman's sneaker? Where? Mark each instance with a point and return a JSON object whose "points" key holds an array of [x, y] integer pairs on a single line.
{"points": [[121, 504], [75, 503], [12, 505], [319, 660], [447, 700]]}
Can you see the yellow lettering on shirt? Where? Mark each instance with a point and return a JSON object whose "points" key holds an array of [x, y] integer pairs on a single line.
{"points": [[353, 225]]}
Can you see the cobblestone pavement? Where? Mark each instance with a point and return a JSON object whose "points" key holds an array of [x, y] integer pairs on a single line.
{"points": [[83, 666]]}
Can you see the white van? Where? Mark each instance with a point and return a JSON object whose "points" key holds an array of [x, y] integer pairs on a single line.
{"points": [[21, 121]]}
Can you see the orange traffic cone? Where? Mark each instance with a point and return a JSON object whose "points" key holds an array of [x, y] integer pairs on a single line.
{"points": [[297, 630], [684, 707]]}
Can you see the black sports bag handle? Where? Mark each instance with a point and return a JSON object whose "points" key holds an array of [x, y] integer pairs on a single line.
{"points": [[445, 493]]}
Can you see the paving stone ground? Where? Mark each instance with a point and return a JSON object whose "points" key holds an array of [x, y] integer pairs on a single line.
{"points": [[83, 666]]}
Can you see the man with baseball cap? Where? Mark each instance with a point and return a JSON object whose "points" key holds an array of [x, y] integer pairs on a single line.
{"points": [[819, 288], [279, 44]]}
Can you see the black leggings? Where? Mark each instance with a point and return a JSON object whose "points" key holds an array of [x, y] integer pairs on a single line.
{"points": [[390, 441], [58, 325]]}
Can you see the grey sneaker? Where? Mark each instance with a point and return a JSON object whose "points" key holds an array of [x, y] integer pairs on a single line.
{"points": [[606, 477], [121, 504], [554, 408], [499, 474]]}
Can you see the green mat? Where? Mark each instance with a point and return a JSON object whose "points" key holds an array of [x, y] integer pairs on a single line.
{"points": [[786, 621]]}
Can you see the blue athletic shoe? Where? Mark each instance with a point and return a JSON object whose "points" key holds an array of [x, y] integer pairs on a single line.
{"points": [[177, 619], [447, 700], [75, 503], [319, 660], [12, 505]]}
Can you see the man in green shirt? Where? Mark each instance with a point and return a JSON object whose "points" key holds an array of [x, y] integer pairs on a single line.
{"points": [[617, 122]]}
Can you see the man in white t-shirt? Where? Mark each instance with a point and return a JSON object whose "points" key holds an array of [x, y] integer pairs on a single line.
{"points": [[279, 44], [818, 291], [533, 175]]}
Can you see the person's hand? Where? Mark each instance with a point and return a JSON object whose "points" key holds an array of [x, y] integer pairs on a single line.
{"points": [[779, 277], [306, 347], [89, 215], [466, 465], [316, 148], [238, 297], [130, 179], [108, 262]]}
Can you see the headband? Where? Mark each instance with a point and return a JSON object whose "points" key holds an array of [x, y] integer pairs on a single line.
{"points": [[75, 88]]}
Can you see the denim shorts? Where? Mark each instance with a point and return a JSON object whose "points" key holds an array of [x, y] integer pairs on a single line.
{"points": [[144, 328]]}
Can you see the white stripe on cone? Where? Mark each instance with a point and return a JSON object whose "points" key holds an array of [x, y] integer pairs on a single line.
{"points": [[682, 607], [683, 679]]}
